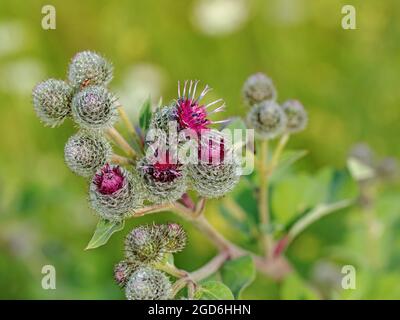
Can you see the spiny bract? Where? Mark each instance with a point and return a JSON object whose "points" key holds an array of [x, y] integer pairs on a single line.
{"points": [[147, 283], [52, 101], [164, 181], [122, 272], [174, 237], [94, 108], [296, 116], [145, 244], [89, 68], [86, 152], [258, 88], [114, 193], [267, 119]]}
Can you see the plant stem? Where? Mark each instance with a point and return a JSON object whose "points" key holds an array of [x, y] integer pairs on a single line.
{"points": [[178, 286], [172, 270], [209, 268], [266, 238], [150, 209], [128, 124], [275, 268], [121, 142], [278, 152], [125, 119], [117, 159]]}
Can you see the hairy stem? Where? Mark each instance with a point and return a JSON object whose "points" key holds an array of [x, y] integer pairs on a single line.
{"points": [[278, 152], [117, 159], [275, 268], [121, 142], [209, 268], [172, 270], [125, 119], [263, 211]]}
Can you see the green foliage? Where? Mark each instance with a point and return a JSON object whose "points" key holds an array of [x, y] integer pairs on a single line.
{"points": [[213, 290], [145, 115], [103, 232], [238, 274]]}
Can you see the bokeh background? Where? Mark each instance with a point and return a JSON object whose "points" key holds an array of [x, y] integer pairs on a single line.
{"points": [[347, 79]]}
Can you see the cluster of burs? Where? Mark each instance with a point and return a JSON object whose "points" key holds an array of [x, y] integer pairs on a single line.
{"points": [[116, 191], [268, 118]]}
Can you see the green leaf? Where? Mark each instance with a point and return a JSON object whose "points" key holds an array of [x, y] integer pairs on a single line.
{"points": [[213, 290], [295, 288], [145, 115], [359, 170], [238, 274], [103, 232], [311, 216], [287, 159]]}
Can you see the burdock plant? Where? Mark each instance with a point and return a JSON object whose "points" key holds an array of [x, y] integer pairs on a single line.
{"points": [[151, 178]]}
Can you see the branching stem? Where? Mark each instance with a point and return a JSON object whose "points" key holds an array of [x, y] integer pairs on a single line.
{"points": [[121, 142]]}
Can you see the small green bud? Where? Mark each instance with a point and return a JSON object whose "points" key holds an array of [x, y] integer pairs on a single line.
{"points": [[94, 108], [52, 101], [213, 180], [296, 116], [123, 271], [268, 120], [145, 244], [89, 68], [148, 284], [258, 88], [174, 237], [86, 152]]}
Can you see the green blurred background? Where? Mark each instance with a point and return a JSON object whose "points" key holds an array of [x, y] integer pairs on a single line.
{"points": [[347, 79]]}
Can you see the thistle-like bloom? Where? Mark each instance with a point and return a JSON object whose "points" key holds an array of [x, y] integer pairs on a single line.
{"points": [[217, 172], [296, 116], [145, 244], [187, 111], [86, 152], [268, 120], [52, 101], [190, 113], [174, 237], [89, 68], [258, 88], [163, 179], [147, 283], [123, 271], [114, 192], [94, 108]]}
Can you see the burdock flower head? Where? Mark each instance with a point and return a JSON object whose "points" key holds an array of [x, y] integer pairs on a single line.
{"points": [[217, 171], [162, 177], [86, 152], [174, 237], [89, 68], [122, 272], [147, 283], [145, 244], [267, 119], [94, 108], [296, 116], [113, 193], [187, 111], [258, 88], [52, 101], [148, 244]]}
